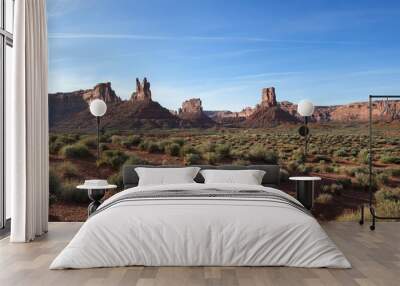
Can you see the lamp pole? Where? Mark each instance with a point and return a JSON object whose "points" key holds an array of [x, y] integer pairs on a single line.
{"points": [[98, 137], [98, 108], [306, 136], [306, 109]]}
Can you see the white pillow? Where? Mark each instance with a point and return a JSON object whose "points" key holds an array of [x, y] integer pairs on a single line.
{"points": [[166, 176], [248, 177]]}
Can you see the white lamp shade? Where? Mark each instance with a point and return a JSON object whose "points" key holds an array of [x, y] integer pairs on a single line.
{"points": [[98, 107], [305, 108]]}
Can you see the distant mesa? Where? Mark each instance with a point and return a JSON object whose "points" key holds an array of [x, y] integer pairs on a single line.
{"points": [[191, 106], [63, 105], [102, 91], [69, 112], [192, 114], [268, 113]]}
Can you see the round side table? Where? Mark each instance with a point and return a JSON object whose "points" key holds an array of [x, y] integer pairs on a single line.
{"points": [[95, 194], [305, 187]]}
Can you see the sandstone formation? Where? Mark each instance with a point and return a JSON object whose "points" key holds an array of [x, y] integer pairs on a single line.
{"points": [[63, 105], [359, 111], [143, 92], [102, 91], [192, 114], [69, 111], [269, 117], [192, 106], [268, 97], [268, 112], [321, 113]]}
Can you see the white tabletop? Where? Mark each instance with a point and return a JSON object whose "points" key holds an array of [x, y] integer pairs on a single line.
{"points": [[87, 187], [305, 178]]}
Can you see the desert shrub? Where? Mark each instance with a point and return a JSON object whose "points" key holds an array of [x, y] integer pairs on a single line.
{"points": [[210, 157], [112, 158], [362, 180], [208, 147], [54, 147], [130, 141], [395, 172], [388, 208], [336, 189], [363, 156], [388, 194], [292, 166], [57, 142], [76, 151], [260, 154], [388, 201], [241, 162], [188, 149], [322, 159], [271, 157], [103, 147], [298, 156], [192, 159], [52, 137], [223, 151], [256, 153], [382, 179], [162, 145], [173, 149], [70, 194], [116, 139], [178, 141], [329, 169], [235, 153], [90, 142], [105, 138], [387, 159], [341, 152], [345, 182], [284, 175], [324, 198], [116, 179], [134, 160], [67, 170], [304, 169], [143, 145], [153, 147], [67, 139], [54, 186]]}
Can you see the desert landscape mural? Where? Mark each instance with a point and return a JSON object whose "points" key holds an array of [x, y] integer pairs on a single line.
{"points": [[141, 131]]}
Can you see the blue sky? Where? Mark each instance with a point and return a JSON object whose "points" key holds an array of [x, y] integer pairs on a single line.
{"points": [[225, 52]]}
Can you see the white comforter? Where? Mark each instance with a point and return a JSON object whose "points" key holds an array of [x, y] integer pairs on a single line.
{"points": [[193, 231]]}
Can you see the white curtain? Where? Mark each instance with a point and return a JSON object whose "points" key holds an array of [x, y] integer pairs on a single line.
{"points": [[27, 123]]}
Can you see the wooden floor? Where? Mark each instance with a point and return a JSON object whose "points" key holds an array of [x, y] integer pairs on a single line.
{"points": [[375, 257]]}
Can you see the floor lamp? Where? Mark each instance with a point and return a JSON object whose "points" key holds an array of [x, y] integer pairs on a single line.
{"points": [[306, 109], [98, 108]]}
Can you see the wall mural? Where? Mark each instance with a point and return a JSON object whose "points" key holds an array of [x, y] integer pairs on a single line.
{"points": [[216, 115]]}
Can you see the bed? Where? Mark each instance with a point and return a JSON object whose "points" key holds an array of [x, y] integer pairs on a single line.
{"points": [[197, 224]]}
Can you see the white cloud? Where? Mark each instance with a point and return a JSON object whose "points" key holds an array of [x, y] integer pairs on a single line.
{"points": [[187, 38]]}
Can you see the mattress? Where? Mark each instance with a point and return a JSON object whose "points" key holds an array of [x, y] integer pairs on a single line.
{"points": [[201, 225]]}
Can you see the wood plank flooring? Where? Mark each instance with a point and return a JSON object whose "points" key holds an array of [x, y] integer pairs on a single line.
{"points": [[375, 257]]}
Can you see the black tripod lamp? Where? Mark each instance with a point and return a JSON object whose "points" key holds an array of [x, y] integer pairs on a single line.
{"points": [[306, 109], [98, 108]]}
